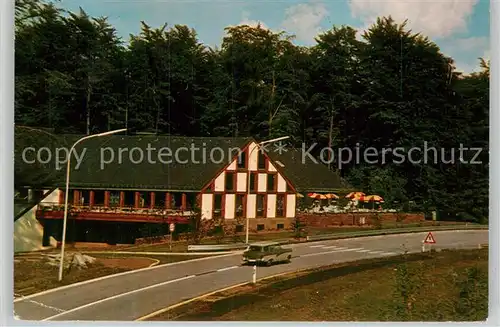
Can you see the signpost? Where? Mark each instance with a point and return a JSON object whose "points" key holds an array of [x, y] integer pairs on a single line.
{"points": [[254, 276], [429, 239], [171, 227]]}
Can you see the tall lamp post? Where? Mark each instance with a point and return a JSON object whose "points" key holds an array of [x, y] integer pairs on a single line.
{"points": [[66, 195], [258, 145]]}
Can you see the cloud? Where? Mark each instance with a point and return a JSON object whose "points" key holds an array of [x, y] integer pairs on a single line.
{"points": [[435, 19], [304, 20], [471, 43], [245, 20], [466, 52], [487, 55], [439, 20]]}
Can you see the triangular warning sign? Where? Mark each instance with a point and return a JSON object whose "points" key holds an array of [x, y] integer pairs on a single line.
{"points": [[429, 239]]}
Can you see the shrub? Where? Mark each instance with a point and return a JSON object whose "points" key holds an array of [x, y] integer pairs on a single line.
{"points": [[472, 299]]}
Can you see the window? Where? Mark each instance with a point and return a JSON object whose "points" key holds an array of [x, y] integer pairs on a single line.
{"points": [[271, 182], [84, 198], [260, 205], [261, 160], [280, 226], [260, 227], [114, 198], [240, 207], [253, 178], [145, 199], [242, 160], [280, 205], [230, 181], [129, 198], [159, 199], [239, 229], [217, 212], [176, 199]]}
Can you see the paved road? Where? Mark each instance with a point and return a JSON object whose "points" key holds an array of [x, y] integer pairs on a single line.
{"points": [[131, 296]]}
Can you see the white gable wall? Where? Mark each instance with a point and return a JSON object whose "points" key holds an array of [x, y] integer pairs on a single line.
{"points": [[207, 203], [241, 187], [28, 232], [271, 205], [290, 205], [230, 206], [219, 183], [281, 183], [241, 182], [254, 155]]}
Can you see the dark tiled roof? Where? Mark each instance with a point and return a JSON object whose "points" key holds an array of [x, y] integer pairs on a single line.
{"points": [[306, 175], [185, 172], [175, 176]]}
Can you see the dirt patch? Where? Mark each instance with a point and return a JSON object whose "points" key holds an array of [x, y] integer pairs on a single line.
{"points": [[369, 290], [127, 263], [32, 276]]}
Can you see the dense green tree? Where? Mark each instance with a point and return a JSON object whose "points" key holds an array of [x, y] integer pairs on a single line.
{"points": [[393, 89]]}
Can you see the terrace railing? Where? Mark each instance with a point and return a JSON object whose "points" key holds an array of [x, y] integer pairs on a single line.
{"points": [[48, 206]]}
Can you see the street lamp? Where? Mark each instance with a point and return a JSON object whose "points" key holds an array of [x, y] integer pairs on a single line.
{"points": [[66, 195], [258, 145]]}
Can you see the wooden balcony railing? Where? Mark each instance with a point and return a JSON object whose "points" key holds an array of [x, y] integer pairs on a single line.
{"points": [[115, 209]]}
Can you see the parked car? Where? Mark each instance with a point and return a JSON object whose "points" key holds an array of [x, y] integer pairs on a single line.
{"points": [[266, 253]]}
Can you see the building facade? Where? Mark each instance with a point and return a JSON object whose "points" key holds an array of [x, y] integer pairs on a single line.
{"points": [[122, 198]]}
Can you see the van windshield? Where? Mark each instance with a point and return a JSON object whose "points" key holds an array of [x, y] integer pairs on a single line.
{"points": [[255, 248]]}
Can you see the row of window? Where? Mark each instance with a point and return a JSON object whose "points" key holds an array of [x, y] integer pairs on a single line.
{"points": [[242, 160], [230, 182], [129, 199], [240, 206]]}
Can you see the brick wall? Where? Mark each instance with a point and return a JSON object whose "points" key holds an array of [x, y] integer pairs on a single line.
{"points": [[342, 219], [268, 224]]}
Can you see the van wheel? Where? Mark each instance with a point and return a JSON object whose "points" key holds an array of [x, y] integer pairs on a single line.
{"points": [[270, 262]]}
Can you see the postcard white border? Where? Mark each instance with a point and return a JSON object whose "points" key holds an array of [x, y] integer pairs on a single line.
{"points": [[7, 168]]}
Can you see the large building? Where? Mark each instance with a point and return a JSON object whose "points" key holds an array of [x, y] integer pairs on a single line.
{"points": [[120, 184]]}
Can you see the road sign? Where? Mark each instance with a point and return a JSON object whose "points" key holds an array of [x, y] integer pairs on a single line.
{"points": [[172, 227], [429, 239]]}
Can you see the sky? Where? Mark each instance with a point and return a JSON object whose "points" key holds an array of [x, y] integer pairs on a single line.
{"points": [[459, 27]]}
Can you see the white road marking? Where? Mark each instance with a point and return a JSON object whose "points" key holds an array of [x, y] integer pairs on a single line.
{"points": [[118, 296], [228, 268], [328, 252], [389, 253], [363, 251], [331, 247], [375, 252], [355, 249], [317, 246], [42, 305]]}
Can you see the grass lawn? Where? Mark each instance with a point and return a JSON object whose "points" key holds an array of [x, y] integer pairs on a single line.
{"points": [[32, 273], [442, 286]]}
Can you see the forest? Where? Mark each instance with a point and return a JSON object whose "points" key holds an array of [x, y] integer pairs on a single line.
{"points": [[394, 88]]}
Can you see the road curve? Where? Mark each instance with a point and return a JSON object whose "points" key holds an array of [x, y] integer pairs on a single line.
{"points": [[129, 296]]}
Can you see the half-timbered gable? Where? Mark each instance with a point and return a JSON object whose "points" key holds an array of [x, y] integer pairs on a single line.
{"points": [[249, 186]]}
